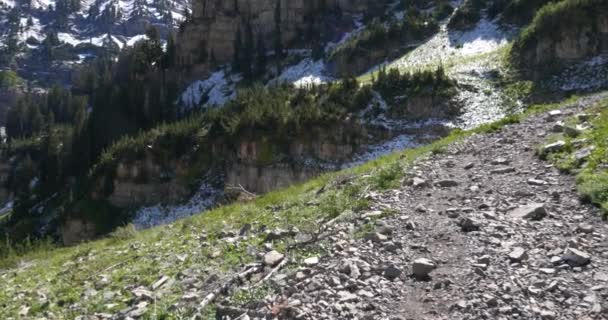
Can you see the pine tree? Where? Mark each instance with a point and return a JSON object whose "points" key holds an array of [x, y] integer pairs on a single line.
{"points": [[261, 59], [278, 36], [236, 59]]}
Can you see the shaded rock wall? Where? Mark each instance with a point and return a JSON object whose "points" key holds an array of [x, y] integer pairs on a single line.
{"points": [[213, 30]]}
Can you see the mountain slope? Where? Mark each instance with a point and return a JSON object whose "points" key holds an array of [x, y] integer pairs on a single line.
{"points": [[173, 270]]}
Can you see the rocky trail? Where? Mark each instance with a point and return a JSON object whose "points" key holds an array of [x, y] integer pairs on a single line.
{"points": [[481, 230]]}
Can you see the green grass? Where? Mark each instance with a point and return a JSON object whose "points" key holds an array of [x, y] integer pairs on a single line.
{"points": [[591, 175], [135, 259]]}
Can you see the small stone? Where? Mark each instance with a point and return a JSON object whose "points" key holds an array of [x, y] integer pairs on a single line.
{"points": [[547, 315], [554, 147], [160, 282], [504, 170], [500, 161], [138, 310], [422, 268], [469, 166], [576, 258], [491, 301], [534, 211], [272, 258], [555, 113], [467, 224], [446, 183], [24, 310], [558, 127], [583, 155], [346, 296], [376, 237], [372, 214], [391, 273], [572, 132], [585, 228], [312, 261], [190, 296], [419, 183], [518, 254], [484, 260], [536, 182], [556, 260], [144, 294], [547, 270], [420, 208]]}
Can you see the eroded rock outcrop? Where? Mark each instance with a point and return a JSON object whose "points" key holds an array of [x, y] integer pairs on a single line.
{"points": [[210, 36], [567, 34]]}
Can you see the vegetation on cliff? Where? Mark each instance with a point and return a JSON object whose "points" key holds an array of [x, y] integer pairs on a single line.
{"points": [[583, 151], [552, 24]]}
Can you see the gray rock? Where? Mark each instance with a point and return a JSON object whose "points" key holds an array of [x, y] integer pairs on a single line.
{"points": [[533, 211], [272, 258], [312, 261], [583, 155], [536, 182], [391, 273], [504, 170], [467, 224], [446, 183], [376, 237], [419, 183], [501, 161], [160, 282], [422, 267], [553, 147], [585, 228], [575, 257], [572, 131], [558, 127], [518, 254]]}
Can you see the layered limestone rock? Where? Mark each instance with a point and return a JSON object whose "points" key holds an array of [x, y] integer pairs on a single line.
{"points": [[265, 164], [425, 106], [147, 182], [581, 34], [210, 36]]}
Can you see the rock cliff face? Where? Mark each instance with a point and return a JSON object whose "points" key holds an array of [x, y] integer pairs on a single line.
{"points": [[257, 161], [147, 181], [266, 164], [211, 34], [582, 33]]}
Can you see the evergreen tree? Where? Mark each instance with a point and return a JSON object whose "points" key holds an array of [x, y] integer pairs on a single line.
{"points": [[261, 59], [278, 36]]}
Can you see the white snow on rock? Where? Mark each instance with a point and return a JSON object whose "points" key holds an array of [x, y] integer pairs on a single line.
{"points": [[305, 73], [131, 41], [206, 197], [216, 90], [447, 46]]}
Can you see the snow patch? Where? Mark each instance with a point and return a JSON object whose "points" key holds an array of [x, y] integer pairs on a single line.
{"points": [[447, 45], [216, 90], [205, 198], [305, 73]]}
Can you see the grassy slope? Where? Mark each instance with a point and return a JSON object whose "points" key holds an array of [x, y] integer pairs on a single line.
{"points": [[64, 275], [592, 175]]}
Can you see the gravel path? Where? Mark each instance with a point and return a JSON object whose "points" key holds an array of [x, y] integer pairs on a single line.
{"points": [[483, 231]]}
